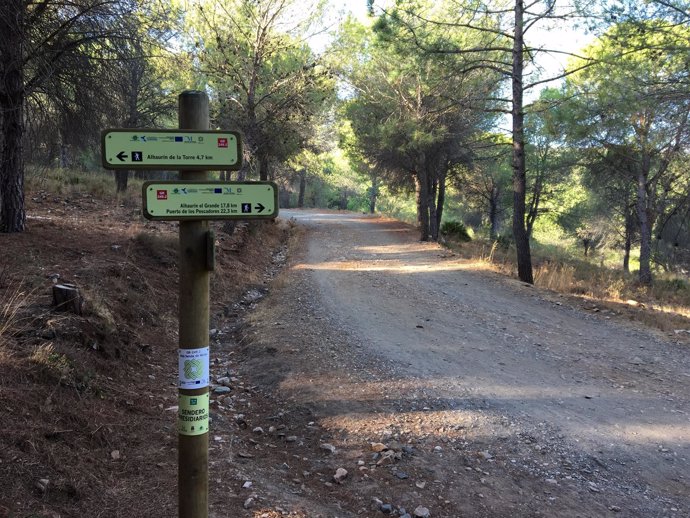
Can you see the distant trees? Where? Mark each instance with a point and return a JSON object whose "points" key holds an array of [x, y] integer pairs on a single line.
{"points": [[360, 164], [490, 38], [632, 106], [413, 114], [41, 43], [57, 62], [641, 64], [140, 73], [265, 78], [427, 90], [485, 185]]}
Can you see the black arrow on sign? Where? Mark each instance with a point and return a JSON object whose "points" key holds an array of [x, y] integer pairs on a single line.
{"points": [[122, 155], [259, 208]]}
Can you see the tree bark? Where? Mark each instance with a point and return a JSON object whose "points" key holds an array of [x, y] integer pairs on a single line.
{"points": [[441, 200], [645, 276], [423, 204], [264, 174], [524, 258], [302, 188], [585, 244], [121, 179], [493, 212], [628, 239], [284, 199], [374, 194], [12, 213], [64, 156], [433, 221], [533, 211], [418, 198]]}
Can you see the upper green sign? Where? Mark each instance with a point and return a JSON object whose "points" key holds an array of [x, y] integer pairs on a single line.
{"points": [[171, 149]]}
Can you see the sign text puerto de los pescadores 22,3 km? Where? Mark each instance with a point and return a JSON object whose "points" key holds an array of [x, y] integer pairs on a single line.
{"points": [[171, 149]]}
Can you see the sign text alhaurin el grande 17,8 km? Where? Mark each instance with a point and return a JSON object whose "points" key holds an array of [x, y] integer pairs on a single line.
{"points": [[171, 149], [210, 200]]}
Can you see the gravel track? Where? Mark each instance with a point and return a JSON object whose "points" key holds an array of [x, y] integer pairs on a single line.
{"points": [[517, 401]]}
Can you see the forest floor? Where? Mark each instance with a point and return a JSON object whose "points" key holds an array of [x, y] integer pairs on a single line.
{"points": [[344, 344]]}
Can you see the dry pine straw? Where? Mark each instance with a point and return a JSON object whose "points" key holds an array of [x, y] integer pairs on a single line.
{"points": [[85, 396]]}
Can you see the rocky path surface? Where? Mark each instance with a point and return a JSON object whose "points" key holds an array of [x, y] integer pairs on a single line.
{"points": [[454, 390]]}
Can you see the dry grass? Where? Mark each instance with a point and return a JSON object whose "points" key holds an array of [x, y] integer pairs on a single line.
{"points": [[46, 357], [664, 305], [162, 247], [14, 298], [559, 277], [97, 306], [67, 182]]}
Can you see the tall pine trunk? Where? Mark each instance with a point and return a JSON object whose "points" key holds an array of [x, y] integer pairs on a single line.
{"points": [[524, 258], [12, 214], [302, 188], [373, 194], [433, 221], [493, 212], [418, 198], [423, 203], [441, 200], [121, 180], [264, 174], [628, 238], [643, 203]]}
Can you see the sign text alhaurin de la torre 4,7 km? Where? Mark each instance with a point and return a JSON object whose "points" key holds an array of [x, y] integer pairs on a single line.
{"points": [[171, 149]]}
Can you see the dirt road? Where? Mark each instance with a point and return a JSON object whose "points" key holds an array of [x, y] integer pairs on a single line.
{"points": [[499, 399]]}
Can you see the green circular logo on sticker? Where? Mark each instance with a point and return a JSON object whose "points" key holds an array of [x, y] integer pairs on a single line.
{"points": [[193, 369]]}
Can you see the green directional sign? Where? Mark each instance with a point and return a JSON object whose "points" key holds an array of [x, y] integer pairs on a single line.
{"points": [[171, 149], [210, 200]]}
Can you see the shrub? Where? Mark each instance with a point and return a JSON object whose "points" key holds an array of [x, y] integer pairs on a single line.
{"points": [[455, 230], [503, 241]]}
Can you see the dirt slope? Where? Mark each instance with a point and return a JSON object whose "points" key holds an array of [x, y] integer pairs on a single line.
{"points": [[89, 401], [499, 400]]}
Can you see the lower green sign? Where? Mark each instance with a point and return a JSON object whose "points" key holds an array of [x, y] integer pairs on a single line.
{"points": [[210, 200], [192, 414]]}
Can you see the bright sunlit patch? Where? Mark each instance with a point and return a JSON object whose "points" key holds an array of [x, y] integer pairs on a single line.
{"points": [[402, 401], [394, 266], [455, 422], [659, 434], [397, 249]]}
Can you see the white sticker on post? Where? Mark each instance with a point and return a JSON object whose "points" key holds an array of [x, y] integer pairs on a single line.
{"points": [[193, 368]]}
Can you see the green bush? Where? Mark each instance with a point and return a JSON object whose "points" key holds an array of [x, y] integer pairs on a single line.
{"points": [[504, 241], [455, 230], [673, 285]]}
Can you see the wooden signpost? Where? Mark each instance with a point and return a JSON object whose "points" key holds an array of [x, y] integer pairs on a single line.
{"points": [[193, 200]]}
